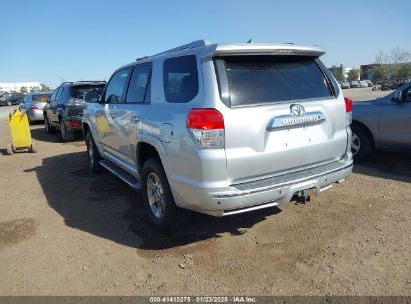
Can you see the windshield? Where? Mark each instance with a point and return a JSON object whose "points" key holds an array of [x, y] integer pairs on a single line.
{"points": [[41, 97], [80, 91], [266, 79]]}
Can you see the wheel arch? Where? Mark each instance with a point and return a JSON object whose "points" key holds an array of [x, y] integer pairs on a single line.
{"points": [[150, 148], [362, 125]]}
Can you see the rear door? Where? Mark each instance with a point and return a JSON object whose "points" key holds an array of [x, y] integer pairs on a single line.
{"points": [[130, 114], [282, 115]]}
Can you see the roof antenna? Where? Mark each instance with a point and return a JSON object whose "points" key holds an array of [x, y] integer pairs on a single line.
{"points": [[250, 41]]}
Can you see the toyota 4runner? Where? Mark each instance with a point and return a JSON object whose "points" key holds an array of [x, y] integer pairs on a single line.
{"points": [[221, 128]]}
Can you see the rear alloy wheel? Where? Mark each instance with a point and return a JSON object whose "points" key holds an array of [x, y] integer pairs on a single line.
{"points": [[361, 143], [93, 154], [49, 129], [65, 135], [158, 198]]}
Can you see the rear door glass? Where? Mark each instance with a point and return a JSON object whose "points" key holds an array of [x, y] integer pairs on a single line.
{"points": [[79, 91], [139, 87], [41, 97], [266, 79]]}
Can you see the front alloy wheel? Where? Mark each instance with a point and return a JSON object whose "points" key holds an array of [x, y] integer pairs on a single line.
{"points": [[93, 154]]}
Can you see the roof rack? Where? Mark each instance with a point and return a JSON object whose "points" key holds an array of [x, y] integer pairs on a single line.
{"points": [[71, 82], [190, 45], [90, 81]]}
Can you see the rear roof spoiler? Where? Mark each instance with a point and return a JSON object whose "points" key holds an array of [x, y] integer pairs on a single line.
{"points": [[263, 49]]}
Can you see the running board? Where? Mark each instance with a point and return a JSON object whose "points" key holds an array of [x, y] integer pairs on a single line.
{"points": [[120, 173]]}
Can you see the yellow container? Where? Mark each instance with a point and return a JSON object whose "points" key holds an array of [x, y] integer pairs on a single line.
{"points": [[20, 133]]}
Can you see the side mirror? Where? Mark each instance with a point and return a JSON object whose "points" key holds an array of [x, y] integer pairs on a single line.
{"points": [[92, 97], [397, 96]]}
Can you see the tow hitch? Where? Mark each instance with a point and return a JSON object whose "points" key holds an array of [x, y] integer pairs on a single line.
{"points": [[303, 196]]}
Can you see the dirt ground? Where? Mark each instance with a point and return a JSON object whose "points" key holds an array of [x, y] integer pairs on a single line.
{"points": [[65, 232]]}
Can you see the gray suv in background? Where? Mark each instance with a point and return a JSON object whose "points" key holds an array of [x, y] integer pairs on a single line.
{"points": [[221, 128]]}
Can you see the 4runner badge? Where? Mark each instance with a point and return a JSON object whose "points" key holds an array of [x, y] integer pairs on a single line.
{"points": [[297, 117]]}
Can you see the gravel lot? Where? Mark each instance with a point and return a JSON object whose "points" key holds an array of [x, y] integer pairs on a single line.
{"points": [[65, 232]]}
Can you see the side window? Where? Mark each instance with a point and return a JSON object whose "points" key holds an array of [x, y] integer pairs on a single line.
{"points": [[180, 79], [139, 87], [115, 88]]}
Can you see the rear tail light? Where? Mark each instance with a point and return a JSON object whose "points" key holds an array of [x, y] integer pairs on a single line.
{"points": [[35, 107], [348, 109], [74, 124], [207, 127]]}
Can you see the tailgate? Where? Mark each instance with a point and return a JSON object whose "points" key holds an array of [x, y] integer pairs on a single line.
{"points": [[282, 115]]}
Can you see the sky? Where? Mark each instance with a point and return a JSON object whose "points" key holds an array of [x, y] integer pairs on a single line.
{"points": [[51, 41]]}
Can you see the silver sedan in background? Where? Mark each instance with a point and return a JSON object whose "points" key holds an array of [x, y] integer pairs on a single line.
{"points": [[33, 105], [383, 123]]}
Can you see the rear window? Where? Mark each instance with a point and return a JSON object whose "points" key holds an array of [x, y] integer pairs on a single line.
{"points": [[247, 80], [79, 91], [40, 97], [180, 79]]}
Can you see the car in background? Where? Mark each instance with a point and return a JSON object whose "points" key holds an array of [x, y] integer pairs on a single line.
{"points": [[66, 105], [383, 124], [385, 86], [369, 83], [345, 85], [355, 84], [8, 99], [363, 84], [33, 105]]}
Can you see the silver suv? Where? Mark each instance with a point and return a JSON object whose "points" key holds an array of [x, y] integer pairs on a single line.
{"points": [[221, 128]]}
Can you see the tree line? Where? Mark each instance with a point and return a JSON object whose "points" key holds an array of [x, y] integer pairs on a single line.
{"points": [[392, 65]]}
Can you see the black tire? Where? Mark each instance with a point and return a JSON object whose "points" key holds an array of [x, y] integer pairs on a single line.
{"points": [[49, 129], [65, 134], [171, 215], [363, 139], [94, 157]]}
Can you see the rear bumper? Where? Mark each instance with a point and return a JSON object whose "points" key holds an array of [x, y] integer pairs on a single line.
{"points": [[73, 123], [35, 115], [238, 198]]}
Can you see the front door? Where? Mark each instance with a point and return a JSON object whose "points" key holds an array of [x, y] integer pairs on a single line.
{"points": [[107, 123], [395, 123]]}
